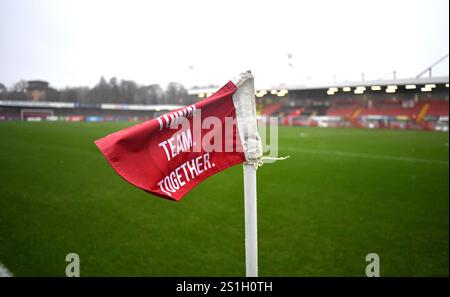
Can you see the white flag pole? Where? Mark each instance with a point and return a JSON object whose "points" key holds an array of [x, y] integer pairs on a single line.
{"points": [[244, 104], [251, 227]]}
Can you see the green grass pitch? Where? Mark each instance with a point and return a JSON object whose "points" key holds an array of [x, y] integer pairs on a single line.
{"points": [[344, 193]]}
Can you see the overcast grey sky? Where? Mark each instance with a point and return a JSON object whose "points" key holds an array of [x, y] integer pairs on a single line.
{"points": [[71, 43]]}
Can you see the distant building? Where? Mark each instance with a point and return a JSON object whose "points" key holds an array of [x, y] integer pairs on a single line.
{"points": [[37, 90]]}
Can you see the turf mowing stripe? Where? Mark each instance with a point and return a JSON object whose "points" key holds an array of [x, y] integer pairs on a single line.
{"points": [[367, 156], [4, 272]]}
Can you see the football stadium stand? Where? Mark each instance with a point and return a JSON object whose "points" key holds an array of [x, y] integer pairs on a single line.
{"points": [[418, 103], [75, 112], [270, 109]]}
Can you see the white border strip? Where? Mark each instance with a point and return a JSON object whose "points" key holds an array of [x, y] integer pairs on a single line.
{"points": [[244, 104], [37, 104], [4, 272], [161, 107]]}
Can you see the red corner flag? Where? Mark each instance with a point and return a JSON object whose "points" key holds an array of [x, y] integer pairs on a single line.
{"points": [[169, 155]]}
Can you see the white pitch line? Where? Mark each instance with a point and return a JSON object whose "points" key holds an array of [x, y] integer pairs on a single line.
{"points": [[367, 156], [4, 272]]}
